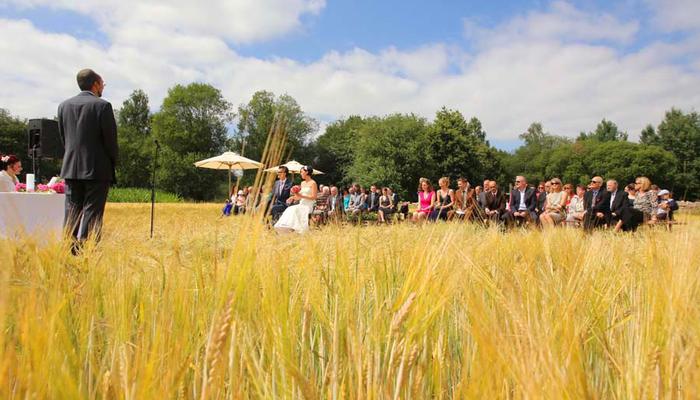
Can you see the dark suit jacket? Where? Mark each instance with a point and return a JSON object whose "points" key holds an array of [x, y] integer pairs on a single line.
{"points": [[281, 198], [620, 202], [89, 133], [394, 202], [376, 196], [530, 201], [494, 202], [599, 205], [541, 200]]}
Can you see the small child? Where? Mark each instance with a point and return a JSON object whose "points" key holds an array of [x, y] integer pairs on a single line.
{"points": [[227, 208]]}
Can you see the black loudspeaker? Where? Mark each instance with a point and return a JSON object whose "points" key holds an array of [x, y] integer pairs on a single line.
{"points": [[43, 138]]}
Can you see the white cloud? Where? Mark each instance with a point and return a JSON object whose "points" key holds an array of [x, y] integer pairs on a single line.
{"points": [[676, 15], [533, 68], [562, 22], [236, 20]]}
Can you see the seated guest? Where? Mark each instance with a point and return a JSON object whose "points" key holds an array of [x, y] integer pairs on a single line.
{"points": [[522, 204], [426, 201], [394, 200], [357, 202], [554, 210], [575, 210], [444, 200], [494, 203], [594, 206], [335, 204], [373, 199], [570, 193], [655, 190], [320, 211], [631, 191], [239, 205], [667, 205], [386, 206], [10, 167], [643, 210], [280, 193], [477, 193], [462, 205], [616, 199], [346, 197], [541, 195]]}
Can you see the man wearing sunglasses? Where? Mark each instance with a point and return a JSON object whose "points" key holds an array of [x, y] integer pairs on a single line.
{"points": [[595, 209], [522, 204]]}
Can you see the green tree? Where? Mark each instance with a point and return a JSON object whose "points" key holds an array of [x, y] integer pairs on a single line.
{"points": [[533, 157], [648, 135], [335, 149], [578, 162], [14, 140], [679, 133], [392, 151], [191, 125], [459, 148], [135, 142], [606, 131], [13, 135], [255, 120]]}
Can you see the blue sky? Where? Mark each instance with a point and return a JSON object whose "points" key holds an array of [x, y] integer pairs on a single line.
{"points": [[567, 64]]}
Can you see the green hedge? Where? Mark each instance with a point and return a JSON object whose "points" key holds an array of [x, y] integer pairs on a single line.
{"points": [[138, 195]]}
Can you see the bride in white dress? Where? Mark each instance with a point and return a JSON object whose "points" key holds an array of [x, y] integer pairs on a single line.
{"points": [[296, 218]]}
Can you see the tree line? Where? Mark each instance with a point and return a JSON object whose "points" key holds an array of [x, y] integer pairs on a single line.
{"points": [[195, 122]]}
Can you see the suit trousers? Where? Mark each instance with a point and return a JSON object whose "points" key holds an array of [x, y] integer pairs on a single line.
{"points": [[85, 207]]}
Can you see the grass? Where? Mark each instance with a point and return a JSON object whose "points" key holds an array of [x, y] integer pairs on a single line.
{"points": [[140, 195], [222, 308]]}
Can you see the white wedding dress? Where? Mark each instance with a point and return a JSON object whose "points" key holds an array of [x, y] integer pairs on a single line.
{"points": [[297, 217]]}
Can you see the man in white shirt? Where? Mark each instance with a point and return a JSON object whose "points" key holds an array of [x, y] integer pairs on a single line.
{"points": [[522, 204]]}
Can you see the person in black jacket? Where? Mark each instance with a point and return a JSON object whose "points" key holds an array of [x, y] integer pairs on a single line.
{"points": [[280, 193], [89, 133], [595, 209], [522, 203], [616, 200]]}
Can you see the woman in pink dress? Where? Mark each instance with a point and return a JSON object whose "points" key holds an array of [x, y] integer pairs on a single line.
{"points": [[426, 201]]}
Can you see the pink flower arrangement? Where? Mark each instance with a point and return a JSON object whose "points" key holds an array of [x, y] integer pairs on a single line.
{"points": [[59, 187]]}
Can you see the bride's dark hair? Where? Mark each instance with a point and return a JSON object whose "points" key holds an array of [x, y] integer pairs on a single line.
{"points": [[309, 169]]}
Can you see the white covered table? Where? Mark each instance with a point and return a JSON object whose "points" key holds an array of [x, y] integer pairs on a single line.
{"points": [[39, 214]]}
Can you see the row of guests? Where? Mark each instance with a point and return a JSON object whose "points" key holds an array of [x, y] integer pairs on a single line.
{"points": [[549, 204], [10, 168]]}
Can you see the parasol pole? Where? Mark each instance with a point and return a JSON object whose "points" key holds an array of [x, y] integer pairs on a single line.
{"points": [[229, 181]]}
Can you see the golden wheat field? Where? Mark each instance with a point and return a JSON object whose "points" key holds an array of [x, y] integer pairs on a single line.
{"points": [[218, 308]]}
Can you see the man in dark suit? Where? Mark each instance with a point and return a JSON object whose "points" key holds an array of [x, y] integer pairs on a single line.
{"points": [[89, 133], [280, 193], [522, 203], [595, 209], [541, 195], [494, 202], [373, 199], [616, 200]]}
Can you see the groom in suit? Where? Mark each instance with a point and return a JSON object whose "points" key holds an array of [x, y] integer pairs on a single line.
{"points": [[280, 193], [88, 130]]}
